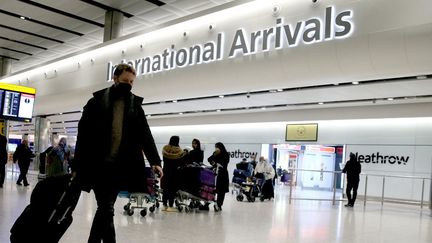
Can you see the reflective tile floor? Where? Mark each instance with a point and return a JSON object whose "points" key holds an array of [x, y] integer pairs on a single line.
{"points": [[269, 221]]}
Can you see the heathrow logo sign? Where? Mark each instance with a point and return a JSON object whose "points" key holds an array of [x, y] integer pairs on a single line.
{"points": [[334, 25], [377, 158]]}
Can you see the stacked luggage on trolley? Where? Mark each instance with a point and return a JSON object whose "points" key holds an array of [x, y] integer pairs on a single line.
{"points": [[197, 187], [146, 199], [244, 184]]}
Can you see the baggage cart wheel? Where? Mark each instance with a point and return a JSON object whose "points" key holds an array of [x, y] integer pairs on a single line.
{"points": [[176, 202], [157, 204], [130, 212], [239, 198], [180, 208], [262, 198], [187, 209], [143, 212], [126, 207], [216, 208], [152, 209]]}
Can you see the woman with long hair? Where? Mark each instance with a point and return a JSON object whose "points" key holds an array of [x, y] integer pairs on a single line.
{"points": [[220, 159]]}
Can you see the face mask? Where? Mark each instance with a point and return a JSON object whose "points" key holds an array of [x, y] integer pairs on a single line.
{"points": [[124, 88]]}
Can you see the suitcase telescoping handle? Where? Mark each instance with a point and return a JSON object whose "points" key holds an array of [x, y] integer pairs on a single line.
{"points": [[63, 217]]}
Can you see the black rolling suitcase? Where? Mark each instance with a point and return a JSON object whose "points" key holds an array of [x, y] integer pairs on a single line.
{"points": [[49, 213]]}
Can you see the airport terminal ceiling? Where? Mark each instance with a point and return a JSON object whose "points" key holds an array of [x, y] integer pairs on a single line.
{"points": [[34, 32]]}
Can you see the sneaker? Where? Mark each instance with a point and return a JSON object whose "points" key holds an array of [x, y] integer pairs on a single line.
{"points": [[348, 205], [26, 184], [1, 186], [19, 183], [171, 209]]}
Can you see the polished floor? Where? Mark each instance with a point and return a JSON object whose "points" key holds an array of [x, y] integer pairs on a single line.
{"points": [[269, 221]]}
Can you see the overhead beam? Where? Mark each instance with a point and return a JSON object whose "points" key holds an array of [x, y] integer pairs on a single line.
{"points": [[107, 8], [30, 33], [25, 18], [23, 43], [58, 11], [9, 49]]}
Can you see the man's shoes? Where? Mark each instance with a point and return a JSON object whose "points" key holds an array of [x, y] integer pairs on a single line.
{"points": [[171, 209], [26, 184], [217, 208], [349, 205], [19, 183], [204, 207], [1, 186]]}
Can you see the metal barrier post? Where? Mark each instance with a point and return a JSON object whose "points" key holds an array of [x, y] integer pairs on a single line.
{"points": [[382, 197], [365, 193], [421, 202], [334, 188], [290, 192]]}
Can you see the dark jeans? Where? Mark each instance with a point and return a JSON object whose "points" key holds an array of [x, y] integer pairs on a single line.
{"points": [[103, 222], [168, 197], [352, 185], [220, 199], [2, 174], [23, 173]]}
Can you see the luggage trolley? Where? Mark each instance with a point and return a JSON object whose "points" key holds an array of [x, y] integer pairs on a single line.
{"points": [[197, 185], [150, 195]]}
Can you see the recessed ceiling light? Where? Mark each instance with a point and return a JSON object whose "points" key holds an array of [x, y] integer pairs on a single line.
{"points": [[421, 77], [321, 103], [355, 82], [389, 98], [221, 96], [279, 90], [22, 17], [174, 101], [218, 110]]}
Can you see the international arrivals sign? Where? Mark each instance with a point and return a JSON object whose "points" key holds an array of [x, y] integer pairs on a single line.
{"points": [[281, 35]]}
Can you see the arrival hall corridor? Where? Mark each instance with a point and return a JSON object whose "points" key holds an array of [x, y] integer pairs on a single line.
{"points": [[269, 221]]}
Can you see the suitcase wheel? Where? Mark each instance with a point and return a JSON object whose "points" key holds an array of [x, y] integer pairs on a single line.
{"points": [[144, 212]]}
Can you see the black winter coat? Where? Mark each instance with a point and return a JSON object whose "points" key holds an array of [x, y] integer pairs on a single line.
{"points": [[23, 155], [127, 172], [196, 156], [3, 150], [222, 180], [353, 170]]}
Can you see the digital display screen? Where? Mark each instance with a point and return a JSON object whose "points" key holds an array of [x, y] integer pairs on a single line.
{"points": [[16, 102], [26, 106]]}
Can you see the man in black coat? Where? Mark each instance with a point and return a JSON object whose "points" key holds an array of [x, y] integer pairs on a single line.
{"points": [[112, 134], [3, 159], [353, 170]]}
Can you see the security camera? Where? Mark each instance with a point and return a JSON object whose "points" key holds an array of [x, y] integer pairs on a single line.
{"points": [[248, 95], [211, 27], [314, 1]]}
